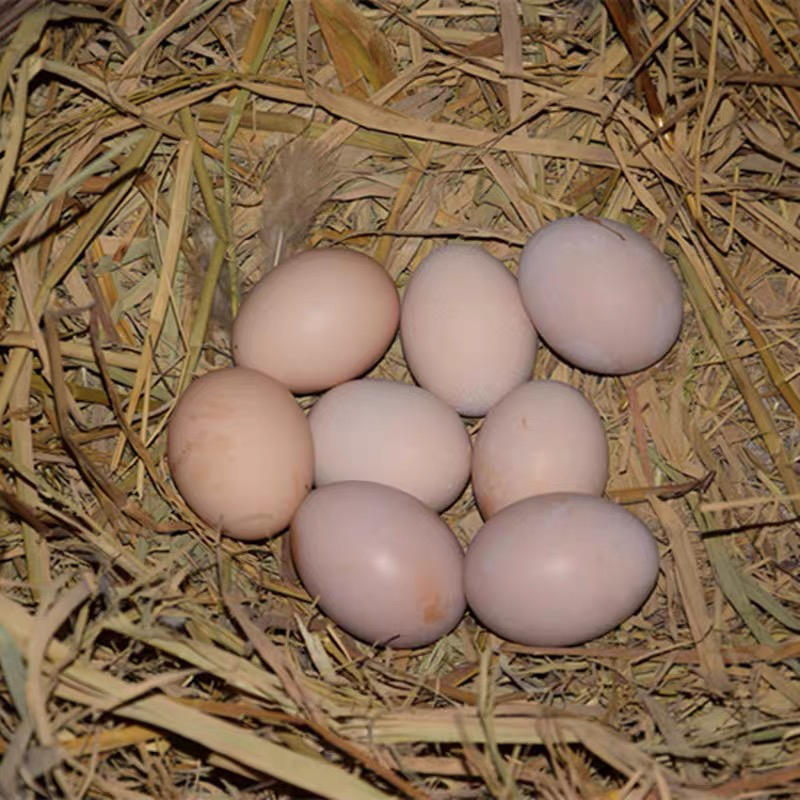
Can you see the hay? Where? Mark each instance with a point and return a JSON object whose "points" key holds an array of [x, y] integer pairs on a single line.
{"points": [[143, 656]]}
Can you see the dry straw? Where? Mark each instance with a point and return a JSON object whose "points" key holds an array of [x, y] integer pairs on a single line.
{"points": [[143, 144]]}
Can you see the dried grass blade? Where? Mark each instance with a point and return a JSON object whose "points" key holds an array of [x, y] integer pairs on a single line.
{"points": [[512, 56], [755, 404], [91, 223], [273, 658], [690, 585], [37, 552], [239, 672], [746, 315], [135, 64], [753, 29], [729, 578], [16, 130], [131, 436], [100, 164], [27, 36], [90, 686], [731, 581], [762, 598], [373, 117], [179, 215], [258, 43], [44, 627], [13, 670], [405, 192], [359, 49]]}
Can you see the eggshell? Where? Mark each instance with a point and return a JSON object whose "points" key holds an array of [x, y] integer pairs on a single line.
{"points": [[464, 331], [320, 318], [601, 295], [392, 433], [382, 564], [559, 569], [239, 449], [544, 436]]}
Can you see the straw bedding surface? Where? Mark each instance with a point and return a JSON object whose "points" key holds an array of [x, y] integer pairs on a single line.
{"points": [[145, 657]]}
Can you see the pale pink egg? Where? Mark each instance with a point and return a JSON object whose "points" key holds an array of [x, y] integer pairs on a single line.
{"points": [[559, 569], [601, 295], [392, 433], [544, 436], [320, 318], [380, 563]]}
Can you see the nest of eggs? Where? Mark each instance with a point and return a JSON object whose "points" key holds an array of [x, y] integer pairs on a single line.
{"points": [[159, 159]]}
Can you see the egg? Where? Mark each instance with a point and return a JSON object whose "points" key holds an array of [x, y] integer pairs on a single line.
{"points": [[380, 563], [601, 295], [320, 318], [392, 433], [542, 437], [465, 334], [559, 569], [239, 450]]}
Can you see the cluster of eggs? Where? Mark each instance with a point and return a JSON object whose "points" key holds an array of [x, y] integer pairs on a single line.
{"points": [[554, 563]]}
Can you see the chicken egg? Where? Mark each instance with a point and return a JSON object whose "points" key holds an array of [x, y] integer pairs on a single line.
{"points": [[542, 437], [380, 563], [465, 334], [392, 433], [601, 295], [318, 319], [239, 450], [559, 569]]}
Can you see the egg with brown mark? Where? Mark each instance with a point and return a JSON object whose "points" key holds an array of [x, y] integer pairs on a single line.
{"points": [[602, 296], [320, 318], [380, 563], [559, 569], [465, 334], [542, 437], [392, 433], [239, 450]]}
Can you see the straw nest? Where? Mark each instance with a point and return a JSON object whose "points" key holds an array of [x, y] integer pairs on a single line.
{"points": [[156, 159]]}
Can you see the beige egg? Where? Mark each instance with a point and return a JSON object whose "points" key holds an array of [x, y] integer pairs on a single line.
{"points": [[465, 334], [391, 433], [320, 318], [239, 449], [559, 569], [381, 564], [601, 295], [542, 437]]}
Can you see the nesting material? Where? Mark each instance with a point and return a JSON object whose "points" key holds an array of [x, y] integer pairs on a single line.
{"points": [[146, 655]]}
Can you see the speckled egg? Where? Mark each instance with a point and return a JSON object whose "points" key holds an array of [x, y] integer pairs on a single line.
{"points": [[239, 450]]}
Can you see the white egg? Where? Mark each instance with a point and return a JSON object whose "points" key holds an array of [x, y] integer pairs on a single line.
{"points": [[464, 331], [392, 433]]}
